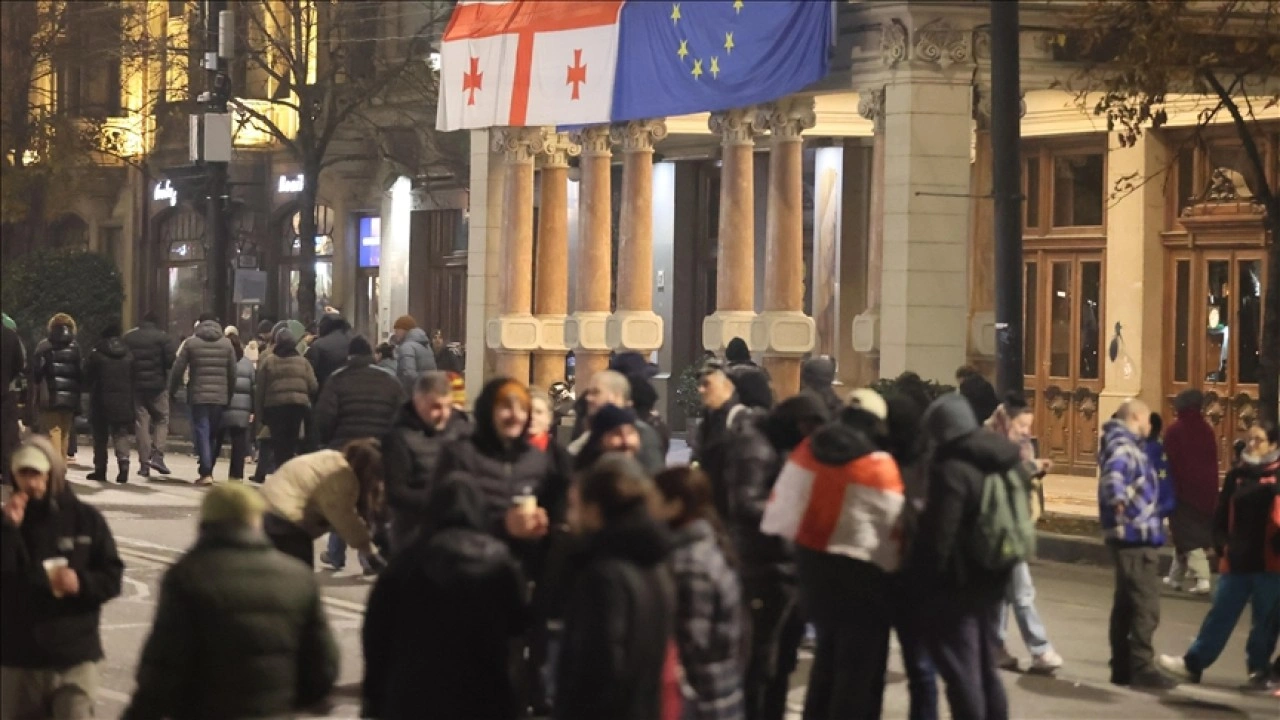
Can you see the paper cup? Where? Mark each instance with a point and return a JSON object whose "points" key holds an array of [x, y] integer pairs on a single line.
{"points": [[51, 567], [528, 504]]}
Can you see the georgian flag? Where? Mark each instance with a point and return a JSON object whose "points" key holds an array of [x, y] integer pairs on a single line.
{"points": [[526, 62]]}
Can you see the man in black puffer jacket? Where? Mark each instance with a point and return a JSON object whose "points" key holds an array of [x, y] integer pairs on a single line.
{"points": [[57, 378], [109, 376], [360, 400], [328, 353], [153, 355], [411, 452]]}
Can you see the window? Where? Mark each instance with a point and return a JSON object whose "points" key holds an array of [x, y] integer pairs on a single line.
{"points": [[177, 8], [1032, 172], [1060, 319], [1188, 190], [1078, 192], [1182, 318], [1030, 316], [361, 41], [1090, 318], [1249, 319]]}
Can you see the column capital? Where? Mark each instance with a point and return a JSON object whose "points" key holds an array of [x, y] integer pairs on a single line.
{"points": [[737, 126], [788, 117], [871, 106], [518, 144], [557, 148], [594, 140], [639, 135]]}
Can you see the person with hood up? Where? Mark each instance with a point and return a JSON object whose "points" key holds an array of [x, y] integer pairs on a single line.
{"points": [[1013, 420], [330, 350], [440, 618], [610, 387], [154, 353], [751, 380], [981, 396], [359, 401], [326, 490], [709, 612], [622, 605], [285, 385], [238, 417], [212, 381], [817, 376], [13, 365], [838, 499], [413, 351], [255, 614], [1132, 509], [770, 587], [58, 567], [1247, 525], [1192, 449], [57, 377], [109, 378], [956, 597], [411, 451]]}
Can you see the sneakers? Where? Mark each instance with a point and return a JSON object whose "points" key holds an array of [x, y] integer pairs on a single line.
{"points": [[1200, 588], [1005, 661], [204, 481], [1153, 680], [1046, 663], [1172, 583], [1177, 667], [328, 560], [157, 463], [1259, 681]]}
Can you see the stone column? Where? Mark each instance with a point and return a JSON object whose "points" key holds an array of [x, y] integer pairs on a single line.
{"points": [[1133, 286], [585, 330], [735, 260], [783, 331], [551, 274], [634, 325], [924, 312], [514, 333]]}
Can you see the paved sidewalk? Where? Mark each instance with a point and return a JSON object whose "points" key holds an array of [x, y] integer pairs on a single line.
{"points": [[1073, 495]]}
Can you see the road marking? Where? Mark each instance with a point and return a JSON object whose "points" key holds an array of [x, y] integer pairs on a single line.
{"points": [[114, 696], [147, 544], [144, 592], [157, 561], [126, 626]]}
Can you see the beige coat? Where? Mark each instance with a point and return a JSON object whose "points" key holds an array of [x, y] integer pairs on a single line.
{"points": [[318, 493]]}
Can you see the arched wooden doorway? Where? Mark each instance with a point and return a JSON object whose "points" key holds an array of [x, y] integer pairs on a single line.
{"points": [[182, 272]]}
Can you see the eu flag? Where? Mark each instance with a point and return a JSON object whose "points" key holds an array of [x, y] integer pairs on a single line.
{"points": [[676, 58]]}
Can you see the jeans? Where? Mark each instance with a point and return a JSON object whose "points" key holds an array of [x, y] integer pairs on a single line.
{"points": [[1135, 611], [922, 676], [152, 411], [239, 448], [337, 551], [285, 422], [205, 421], [1021, 594], [848, 602], [962, 643], [1262, 590]]}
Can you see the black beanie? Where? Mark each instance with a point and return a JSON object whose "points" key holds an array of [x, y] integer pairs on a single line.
{"points": [[737, 351], [610, 417], [359, 346]]}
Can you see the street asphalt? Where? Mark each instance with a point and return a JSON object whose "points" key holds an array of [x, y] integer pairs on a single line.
{"points": [[155, 521]]}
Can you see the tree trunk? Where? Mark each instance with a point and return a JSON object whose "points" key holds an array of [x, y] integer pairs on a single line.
{"points": [[307, 245], [1269, 362]]}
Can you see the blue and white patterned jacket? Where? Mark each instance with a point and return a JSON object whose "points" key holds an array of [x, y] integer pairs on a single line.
{"points": [[1130, 506]]}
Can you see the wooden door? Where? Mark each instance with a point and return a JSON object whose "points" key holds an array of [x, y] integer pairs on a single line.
{"points": [[1212, 336], [1063, 294]]}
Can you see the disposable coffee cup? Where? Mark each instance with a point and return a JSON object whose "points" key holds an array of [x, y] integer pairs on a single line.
{"points": [[51, 568], [528, 504]]}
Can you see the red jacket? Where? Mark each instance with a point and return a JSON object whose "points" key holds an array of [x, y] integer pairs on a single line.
{"points": [[1192, 449]]}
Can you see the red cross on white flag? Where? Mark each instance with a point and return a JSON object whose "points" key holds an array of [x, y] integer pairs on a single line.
{"points": [[518, 63]]}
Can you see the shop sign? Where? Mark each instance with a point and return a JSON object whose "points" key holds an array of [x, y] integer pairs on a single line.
{"points": [[165, 191], [287, 185]]}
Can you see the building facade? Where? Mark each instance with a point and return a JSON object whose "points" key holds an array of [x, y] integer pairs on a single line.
{"points": [[856, 220]]}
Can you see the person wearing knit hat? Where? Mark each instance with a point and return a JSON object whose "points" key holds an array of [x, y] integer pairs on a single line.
{"points": [[359, 347], [405, 323], [613, 429], [234, 595], [414, 355]]}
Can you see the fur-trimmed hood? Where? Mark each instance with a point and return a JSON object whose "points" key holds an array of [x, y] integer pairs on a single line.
{"points": [[61, 319]]}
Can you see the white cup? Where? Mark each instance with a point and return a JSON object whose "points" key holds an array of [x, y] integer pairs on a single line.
{"points": [[51, 568]]}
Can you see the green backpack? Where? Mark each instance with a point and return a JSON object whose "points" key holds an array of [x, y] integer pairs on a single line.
{"points": [[1003, 534]]}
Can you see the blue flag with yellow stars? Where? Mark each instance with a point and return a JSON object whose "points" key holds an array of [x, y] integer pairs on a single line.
{"points": [[676, 58]]}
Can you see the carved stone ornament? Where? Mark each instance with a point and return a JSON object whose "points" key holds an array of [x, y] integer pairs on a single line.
{"points": [[593, 141], [788, 117], [871, 106], [939, 43], [737, 126], [518, 144], [893, 42], [639, 135], [1227, 185], [982, 44], [557, 148]]}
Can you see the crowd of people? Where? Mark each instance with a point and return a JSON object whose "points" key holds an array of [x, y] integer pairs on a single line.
{"points": [[520, 576]]}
